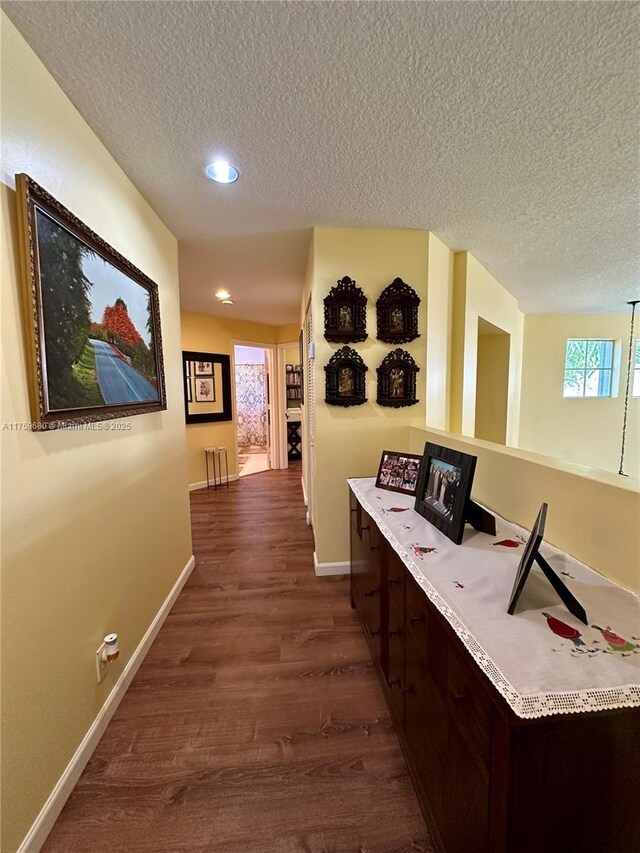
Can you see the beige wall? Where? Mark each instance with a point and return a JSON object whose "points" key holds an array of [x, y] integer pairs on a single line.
{"points": [[476, 295], [592, 516], [583, 430], [81, 511], [438, 333], [348, 442], [206, 333], [492, 387]]}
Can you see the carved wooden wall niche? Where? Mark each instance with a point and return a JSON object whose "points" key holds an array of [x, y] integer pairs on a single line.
{"points": [[345, 379], [397, 380], [345, 313], [397, 309]]}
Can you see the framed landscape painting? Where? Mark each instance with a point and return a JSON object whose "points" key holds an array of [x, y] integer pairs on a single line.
{"points": [[94, 320]]}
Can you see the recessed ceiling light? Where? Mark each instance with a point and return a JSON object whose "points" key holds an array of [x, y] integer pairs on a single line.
{"points": [[227, 301], [221, 172], [222, 294]]}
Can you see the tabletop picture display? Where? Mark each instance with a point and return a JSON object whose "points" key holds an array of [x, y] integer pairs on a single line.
{"points": [[444, 489], [398, 472]]}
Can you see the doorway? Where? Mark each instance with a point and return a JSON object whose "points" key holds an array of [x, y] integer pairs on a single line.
{"points": [[492, 382], [252, 409]]}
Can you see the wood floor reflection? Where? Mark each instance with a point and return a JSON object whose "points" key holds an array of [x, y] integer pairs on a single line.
{"points": [[256, 723]]}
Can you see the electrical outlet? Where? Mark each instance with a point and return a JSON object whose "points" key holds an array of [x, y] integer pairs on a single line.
{"points": [[101, 664]]}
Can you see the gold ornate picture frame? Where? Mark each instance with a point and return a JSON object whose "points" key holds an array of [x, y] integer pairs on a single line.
{"points": [[93, 320]]}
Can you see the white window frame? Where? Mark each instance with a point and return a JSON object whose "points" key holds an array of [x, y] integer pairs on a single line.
{"points": [[614, 370]]}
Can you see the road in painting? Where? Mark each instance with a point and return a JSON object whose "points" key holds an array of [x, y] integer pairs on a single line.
{"points": [[98, 326], [117, 380]]}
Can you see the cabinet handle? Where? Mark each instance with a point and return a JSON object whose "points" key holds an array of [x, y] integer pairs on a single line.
{"points": [[415, 620], [459, 697], [371, 593], [394, 580], [365, 528], [397, 633], [374, 548], [375, 633], [408, 689], [354, 509], [394, 683]]}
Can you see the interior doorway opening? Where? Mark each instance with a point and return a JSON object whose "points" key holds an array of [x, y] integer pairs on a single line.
{"points": [[252, 409], [492, 382]]}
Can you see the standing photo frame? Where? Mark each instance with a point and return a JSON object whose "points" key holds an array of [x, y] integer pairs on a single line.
{"points": [[93, 320], [398, 472], [532, 555], [444, 489]]}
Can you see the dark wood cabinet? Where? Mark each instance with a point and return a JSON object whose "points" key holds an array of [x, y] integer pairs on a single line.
{"points": [[488, 781]]}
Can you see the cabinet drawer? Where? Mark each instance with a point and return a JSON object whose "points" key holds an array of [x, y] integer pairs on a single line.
{"points": [[355, 513], [417, 610], [396, 574], [469, 707]]}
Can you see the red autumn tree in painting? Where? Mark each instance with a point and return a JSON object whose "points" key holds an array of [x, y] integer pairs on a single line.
{"points": [[118, 329], [117, 322]]}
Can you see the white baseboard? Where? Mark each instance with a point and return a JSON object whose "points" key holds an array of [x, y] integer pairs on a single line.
{"points": [[323, 569], [193, 487], [48, 815], [304, 492]]}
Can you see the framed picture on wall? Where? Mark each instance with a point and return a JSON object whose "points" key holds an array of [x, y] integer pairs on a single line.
{"points": [[398, 472], [205, 389], [444, 488], [210, 400], [202, 368], [93, 321]]}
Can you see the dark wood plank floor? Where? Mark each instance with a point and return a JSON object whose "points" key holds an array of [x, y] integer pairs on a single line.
{"points": [[256, 723]]}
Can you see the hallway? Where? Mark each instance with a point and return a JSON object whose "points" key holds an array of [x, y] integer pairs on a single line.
{"points": [[256, 723]]}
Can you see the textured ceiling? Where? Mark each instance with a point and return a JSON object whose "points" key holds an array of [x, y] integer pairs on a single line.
{"points": [[509, 129]]}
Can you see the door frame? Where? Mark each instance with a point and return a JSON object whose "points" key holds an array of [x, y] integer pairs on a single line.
{"points": [[281, 368], [274, 439]]}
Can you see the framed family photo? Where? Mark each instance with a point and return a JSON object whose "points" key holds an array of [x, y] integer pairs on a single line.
{"points": [[444, 489], [93, 320], [398, 472]]}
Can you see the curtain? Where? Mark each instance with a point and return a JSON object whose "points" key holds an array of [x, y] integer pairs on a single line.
{"points": [[251, 400]]}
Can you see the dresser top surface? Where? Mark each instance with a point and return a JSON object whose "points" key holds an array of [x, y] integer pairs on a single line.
{"points": [[541, 659]]}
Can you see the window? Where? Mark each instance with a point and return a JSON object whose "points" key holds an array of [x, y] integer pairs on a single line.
{"points": [[588, 368], [636, 372]]}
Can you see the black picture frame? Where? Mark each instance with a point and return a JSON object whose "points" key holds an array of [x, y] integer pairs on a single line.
{"points": [[222, 391], [444, 488], [345, 313], [532, 555], [395, 465], [92, 322], [397, 313], [397, 380], [345, 379]]}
